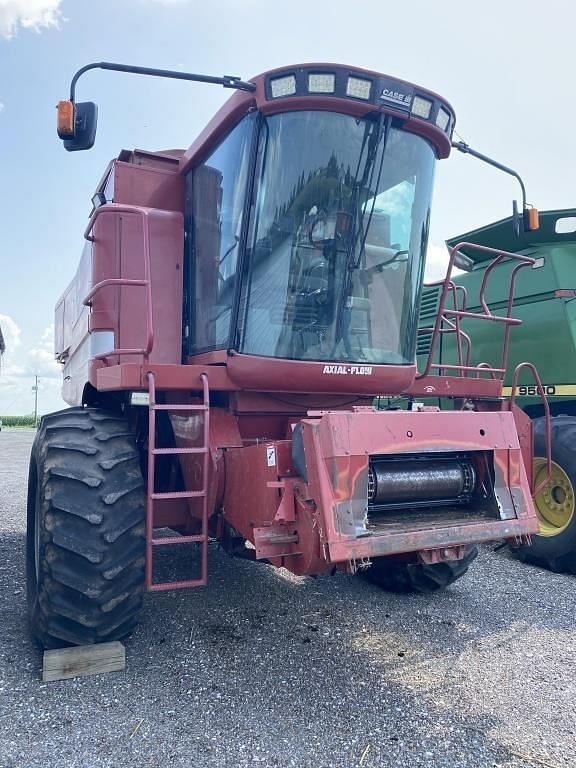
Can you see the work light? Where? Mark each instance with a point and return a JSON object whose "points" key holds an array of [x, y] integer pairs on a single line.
{"points": [[283, 86], [421, 107], [358, 87], [442, 119], [321, 83]]}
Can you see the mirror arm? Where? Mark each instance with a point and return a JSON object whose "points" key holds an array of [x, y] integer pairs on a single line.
{"points": [[228, 81], [466, 149]]}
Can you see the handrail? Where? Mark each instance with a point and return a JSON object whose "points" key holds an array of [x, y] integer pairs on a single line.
{"points": [[462, 289], [458, 314], [456, 324], [476, 316], [146, 282], [547, 418], [487, 367], [453, 327], [469, 368]]}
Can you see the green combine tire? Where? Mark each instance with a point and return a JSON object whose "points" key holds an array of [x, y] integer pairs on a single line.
{"points": [[85, 539], [555, 545], [397, 576]]}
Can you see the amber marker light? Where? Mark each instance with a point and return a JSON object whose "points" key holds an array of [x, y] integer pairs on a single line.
{"points": [[66, 119], [532, 219]]}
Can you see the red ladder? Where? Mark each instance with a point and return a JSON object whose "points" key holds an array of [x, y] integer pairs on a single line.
{"points": [[153, 451]]}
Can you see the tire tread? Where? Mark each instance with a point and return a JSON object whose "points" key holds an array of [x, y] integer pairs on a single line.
{"points": [[555, 553], [398, 576], [92, 506]]}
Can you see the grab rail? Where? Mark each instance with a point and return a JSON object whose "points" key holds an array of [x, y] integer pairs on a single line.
{"points": [[146, 282], [457, 314], [532, 368]]}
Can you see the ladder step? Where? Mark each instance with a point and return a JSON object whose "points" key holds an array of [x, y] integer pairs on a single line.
{"points": [[201, 406], [162, 587], [178, 540], [179, 495], [164, 407], [176, 451]]}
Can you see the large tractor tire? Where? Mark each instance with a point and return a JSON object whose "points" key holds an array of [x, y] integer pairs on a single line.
{"points": [[554, 547], [86, 536], [397, 576]]}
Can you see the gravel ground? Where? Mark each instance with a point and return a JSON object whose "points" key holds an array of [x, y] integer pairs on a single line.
{"points": [[263, 668]]}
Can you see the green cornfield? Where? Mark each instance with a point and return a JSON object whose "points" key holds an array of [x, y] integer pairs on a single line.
{"points": [[18, 421]]}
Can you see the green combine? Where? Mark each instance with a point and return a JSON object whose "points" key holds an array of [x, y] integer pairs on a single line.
{"points": [[545, 301]]}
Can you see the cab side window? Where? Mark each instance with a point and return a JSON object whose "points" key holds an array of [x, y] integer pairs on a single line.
{"points": [[216, 193]]}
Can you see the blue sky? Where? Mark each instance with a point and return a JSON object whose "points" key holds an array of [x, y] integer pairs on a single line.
{"points": [[506, 67]]}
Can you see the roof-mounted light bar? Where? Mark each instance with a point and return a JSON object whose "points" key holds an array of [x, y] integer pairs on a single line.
{"points": [[378, 90]]}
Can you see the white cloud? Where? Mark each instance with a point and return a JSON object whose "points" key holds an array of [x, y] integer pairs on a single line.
{"points": [[28, 14], [41, 357], [437, 257], [1, 107], [10, 331], [436, 262], [19, 366]]}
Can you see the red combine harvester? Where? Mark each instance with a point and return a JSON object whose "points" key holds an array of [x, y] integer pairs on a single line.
{"points": [[237, 308]]}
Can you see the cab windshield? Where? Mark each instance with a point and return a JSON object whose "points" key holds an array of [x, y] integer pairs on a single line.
{"points": [[337, 240]]}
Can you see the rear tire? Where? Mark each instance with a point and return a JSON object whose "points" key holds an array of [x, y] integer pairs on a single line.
{"points": [[85, 544], [554, 547], [397, 576]]}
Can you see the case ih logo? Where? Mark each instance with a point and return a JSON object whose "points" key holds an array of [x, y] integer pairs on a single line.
{"points": [[344, 370], [403, 99]]}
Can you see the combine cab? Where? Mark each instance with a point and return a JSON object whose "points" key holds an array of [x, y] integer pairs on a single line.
{"points": [[237, 308]]}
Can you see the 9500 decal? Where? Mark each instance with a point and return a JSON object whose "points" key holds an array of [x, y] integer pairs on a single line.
{"points": [[550, 390]]}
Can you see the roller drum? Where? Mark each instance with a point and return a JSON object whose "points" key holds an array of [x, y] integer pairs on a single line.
{"points": [[396, 482]]}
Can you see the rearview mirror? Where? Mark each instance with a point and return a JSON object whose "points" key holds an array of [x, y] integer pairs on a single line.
{"points": [[77, 124], [527, 221]]}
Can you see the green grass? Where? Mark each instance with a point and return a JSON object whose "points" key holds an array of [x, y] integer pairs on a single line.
{"points": [[18, 421]]}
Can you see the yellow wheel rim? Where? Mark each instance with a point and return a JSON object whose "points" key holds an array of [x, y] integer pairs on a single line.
{"points": [[555, 502]]}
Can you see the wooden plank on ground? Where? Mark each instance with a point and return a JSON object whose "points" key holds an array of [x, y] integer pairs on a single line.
{"points": [[63, 663]]}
